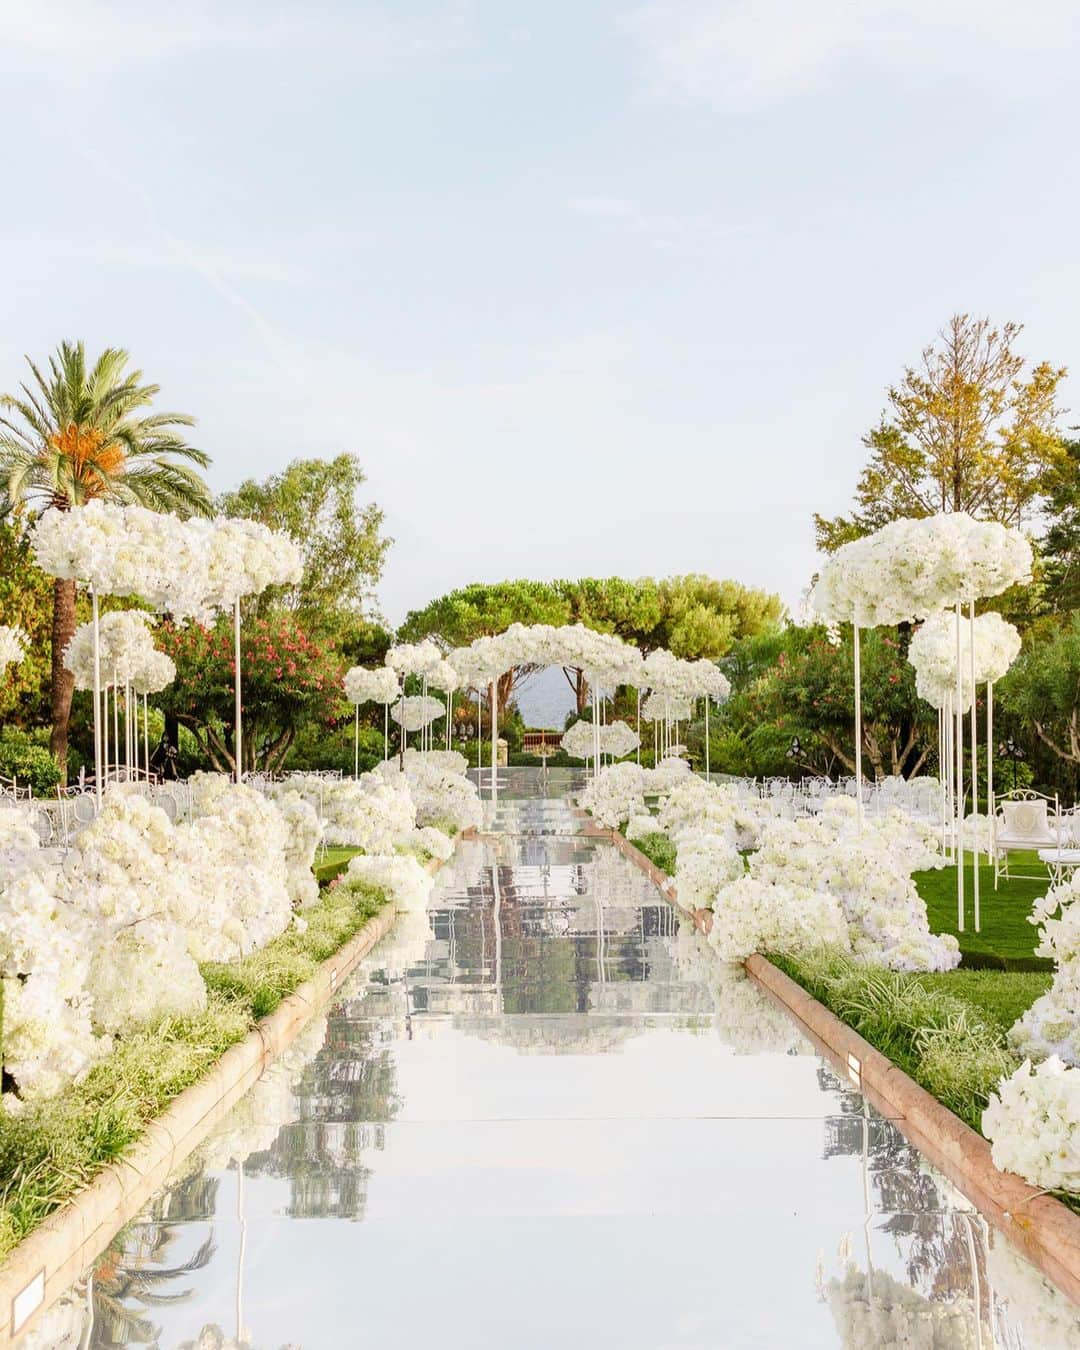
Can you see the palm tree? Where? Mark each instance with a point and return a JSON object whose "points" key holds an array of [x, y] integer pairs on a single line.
{"points": [[74, 434]]}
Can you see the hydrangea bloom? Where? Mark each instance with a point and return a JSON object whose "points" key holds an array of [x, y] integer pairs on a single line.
{"points": [[1033, 1124], [615, 794], [750, 915], [402, 878], [1051, 1026]]}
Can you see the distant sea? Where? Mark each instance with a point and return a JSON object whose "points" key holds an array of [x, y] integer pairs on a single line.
{"points": [[545, 699]]}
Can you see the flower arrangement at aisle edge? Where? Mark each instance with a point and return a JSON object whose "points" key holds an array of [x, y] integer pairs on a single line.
{"points": [[1051, 1026], [1033, 1124]]}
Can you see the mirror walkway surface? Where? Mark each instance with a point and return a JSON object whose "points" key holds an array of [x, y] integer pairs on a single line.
{"points": [[543, 1115]]}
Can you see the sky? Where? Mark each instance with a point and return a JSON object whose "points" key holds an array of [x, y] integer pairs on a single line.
{"points": [[590, 288]]}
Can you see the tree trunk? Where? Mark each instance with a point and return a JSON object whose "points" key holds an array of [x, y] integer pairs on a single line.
{"points": [[63, 682]]}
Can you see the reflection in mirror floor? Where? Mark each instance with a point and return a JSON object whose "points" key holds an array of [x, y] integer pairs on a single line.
{"points": [[542, 1115]]}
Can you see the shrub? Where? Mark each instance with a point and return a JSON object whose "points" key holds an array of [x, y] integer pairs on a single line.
{"points": [[25, 755]]}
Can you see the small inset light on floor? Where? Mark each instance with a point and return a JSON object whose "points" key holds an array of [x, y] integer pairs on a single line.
{"points": [[28, 1300], [854, 1070]]}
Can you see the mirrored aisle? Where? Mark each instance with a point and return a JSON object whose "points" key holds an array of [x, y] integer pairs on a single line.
{"points": [[541, 1115]]}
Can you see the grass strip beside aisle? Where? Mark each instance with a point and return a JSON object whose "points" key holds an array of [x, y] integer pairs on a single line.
{"points": [[53, 1149], [948, 1045]]}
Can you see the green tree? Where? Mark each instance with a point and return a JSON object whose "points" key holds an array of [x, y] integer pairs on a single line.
{"points": [[807, 691], [288, 680], [629, 609], [1059, 548], [26, 601], [317, 502], [1042, 690], [971, 428], [77, 432], [484, 609]]}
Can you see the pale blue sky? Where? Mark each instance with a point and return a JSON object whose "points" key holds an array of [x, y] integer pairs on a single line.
{"points": [[649, 264]]}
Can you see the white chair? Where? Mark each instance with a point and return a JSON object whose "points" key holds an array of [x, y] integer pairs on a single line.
{"points": [[1022, 821]]}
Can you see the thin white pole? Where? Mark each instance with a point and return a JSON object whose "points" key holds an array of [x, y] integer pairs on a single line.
{"points": [[356, 744], [116, 719], [146, 732], [97, 693], [105, 730], [858, 720], [238, 738], [386, 732], [990, 807], [494, 740], [707, 776], [941, 771], [974, 770], [639, 728], [449, 696], [959, 747]]}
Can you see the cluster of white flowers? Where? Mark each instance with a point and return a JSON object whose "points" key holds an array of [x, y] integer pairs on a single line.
{"points": [[304, 833], [380, 685], [868, 870], [126, 653], [660, 706], [1051, 1026], [827, 865], [683, 681], [694, 805], [750, 915], [420, 658], [933, 654], [912, 568], [616, 739], [707, 862], [405, 881], [426, 841], [1033, 1124], [110, 939], [615, 795], [187, 567], [875, 1309], [416, 711], [367, 812], [17, 834], [12, 646], [436, 783], [1043, 1314]]}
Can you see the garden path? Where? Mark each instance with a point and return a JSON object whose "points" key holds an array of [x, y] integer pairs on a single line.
{"points": [[550, 1118]]}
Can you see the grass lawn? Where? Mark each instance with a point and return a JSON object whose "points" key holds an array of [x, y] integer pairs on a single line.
{"points": [[1000, 995], [1006, 940], [333, 862]]}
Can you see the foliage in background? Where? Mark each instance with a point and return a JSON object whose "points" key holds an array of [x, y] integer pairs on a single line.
{"points": [[316, 502], [26, 601], [971, 428], [288, 680], [797, 684], [25, 756], [79, 432]]}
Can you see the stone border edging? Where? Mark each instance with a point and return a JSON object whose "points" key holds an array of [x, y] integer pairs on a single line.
{"points": [[60, 1249], [1043, 1229]]}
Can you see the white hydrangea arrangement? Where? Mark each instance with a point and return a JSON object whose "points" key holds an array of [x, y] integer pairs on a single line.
{"points": [[110, 940], [707, 862], [1033, 1124], [368, 812], [932, 652], [869, 873], [750, 916], [126, 652], [402, 877], [442, 795], [17, 834], [1051, 1026], [379, 685], [615, 794]]}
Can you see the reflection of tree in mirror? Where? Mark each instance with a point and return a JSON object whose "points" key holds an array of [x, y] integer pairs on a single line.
{"points": [[135, 1272], [324, 1167]]}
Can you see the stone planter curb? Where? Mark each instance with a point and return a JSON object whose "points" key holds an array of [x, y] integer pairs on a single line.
{"points": [[1043, 1229], [61, 1248]]}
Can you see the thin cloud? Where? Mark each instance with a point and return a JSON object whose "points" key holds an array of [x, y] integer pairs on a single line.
{"points": [[743, 53]]}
